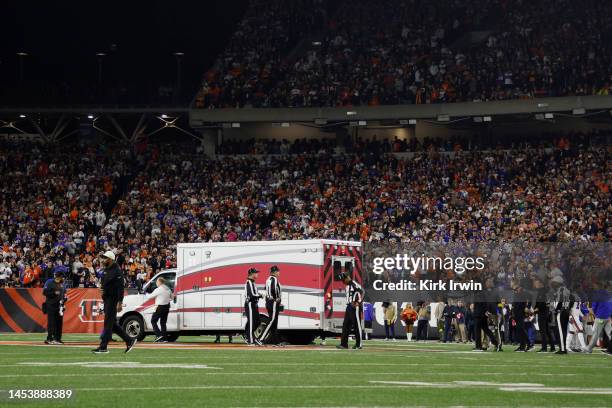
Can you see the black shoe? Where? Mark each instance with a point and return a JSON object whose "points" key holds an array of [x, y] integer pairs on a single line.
{"points": [[99, 351], [542, 350], [561, 352], [48, 341], [342, 347], [520, 350], [130, 345], [606, 352], [529, 348], [356, 347], [217, 340], [552, 350], [158, 339]]}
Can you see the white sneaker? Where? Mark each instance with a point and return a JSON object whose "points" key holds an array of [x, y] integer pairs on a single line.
{"points": [[323, 343], [394, 339], [386, 339]]}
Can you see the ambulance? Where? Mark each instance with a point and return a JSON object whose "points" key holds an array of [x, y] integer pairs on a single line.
{"points": [[208, 286]]}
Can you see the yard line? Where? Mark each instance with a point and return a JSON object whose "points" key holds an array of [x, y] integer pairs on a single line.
{"points": [[98, 374]]}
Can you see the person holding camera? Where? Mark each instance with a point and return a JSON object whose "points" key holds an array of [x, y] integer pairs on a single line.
{"points": [[54, 304]]}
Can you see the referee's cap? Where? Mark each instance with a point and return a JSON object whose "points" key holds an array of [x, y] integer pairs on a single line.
{"points": [[252, 271], [557, 279], [274, 268]]}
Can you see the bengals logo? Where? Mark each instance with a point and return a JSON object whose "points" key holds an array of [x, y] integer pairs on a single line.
{"points": [[91, 311]]}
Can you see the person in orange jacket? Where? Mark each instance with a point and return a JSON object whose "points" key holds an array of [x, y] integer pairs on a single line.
{"points": [[409, 316]]}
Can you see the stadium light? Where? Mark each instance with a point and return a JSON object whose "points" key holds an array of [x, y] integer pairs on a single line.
{"points": [[90, 116], [548, 116], [22, 116], [351, 113], [22, 54], [164, 116], [487, 119], [316, 43]]}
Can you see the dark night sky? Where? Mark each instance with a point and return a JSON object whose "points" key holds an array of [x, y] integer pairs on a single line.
{"points": [[62, 38]]}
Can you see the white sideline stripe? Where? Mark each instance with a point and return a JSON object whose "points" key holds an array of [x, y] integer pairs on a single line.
{"points": [[97, 374], [521, 387], [561, 390], [115, 364], [228, 387], [455, 384]]}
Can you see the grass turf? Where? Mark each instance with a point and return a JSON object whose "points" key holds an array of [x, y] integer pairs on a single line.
{"points": [[382, 374]]}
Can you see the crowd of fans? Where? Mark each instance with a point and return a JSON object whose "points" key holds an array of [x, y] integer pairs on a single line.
{"points": [[62, 206], [394, 144], [403, 52]]}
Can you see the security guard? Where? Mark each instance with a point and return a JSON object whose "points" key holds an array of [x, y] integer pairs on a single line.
{"points": [[273, 305], [112, 296], [251, 297], [352, 316], [54, 292]]}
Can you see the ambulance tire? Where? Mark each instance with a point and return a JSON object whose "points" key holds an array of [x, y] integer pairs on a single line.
{"points": [[299, 339], [263, 323], [133, 326]]}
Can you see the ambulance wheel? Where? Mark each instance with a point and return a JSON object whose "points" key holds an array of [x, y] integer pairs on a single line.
{"points": [[134, 327], [300, 339], [263, 323], [171, 337]]}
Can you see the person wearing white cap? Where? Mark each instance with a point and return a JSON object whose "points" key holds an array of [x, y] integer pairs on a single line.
{"points": [[112, 295]]}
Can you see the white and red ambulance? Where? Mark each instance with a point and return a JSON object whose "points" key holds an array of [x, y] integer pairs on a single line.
{"points": [[209, 287]]}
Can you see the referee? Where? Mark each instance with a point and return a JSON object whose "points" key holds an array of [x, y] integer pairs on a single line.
{"points": [[563, 305], [251, 298], [352, 316], [273, 305]]}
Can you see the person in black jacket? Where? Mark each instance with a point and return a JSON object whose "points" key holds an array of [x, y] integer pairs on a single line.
{"points": [[112, 296], [54, 294], [482, 311], [519, 313], [544, 314]]}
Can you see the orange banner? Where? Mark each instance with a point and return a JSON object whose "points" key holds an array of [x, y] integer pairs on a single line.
{"points": [[21, 311]]}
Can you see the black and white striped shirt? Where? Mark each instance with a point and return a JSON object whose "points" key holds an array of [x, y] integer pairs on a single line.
{"points": [[563, 299], [250, 291], [354, 292], [273, 288]]}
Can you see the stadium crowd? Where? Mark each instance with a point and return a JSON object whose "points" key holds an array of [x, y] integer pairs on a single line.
{"points": [[63, 206], [374, 53]]}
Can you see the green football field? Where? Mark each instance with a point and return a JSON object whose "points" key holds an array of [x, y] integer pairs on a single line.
{"points": [[195, 373]]}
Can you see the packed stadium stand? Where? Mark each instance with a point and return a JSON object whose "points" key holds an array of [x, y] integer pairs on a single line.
{"points": [[63, 206], [412, 52]]}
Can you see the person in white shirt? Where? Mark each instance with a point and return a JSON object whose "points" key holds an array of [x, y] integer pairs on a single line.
{"points": [[162, 295]]}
